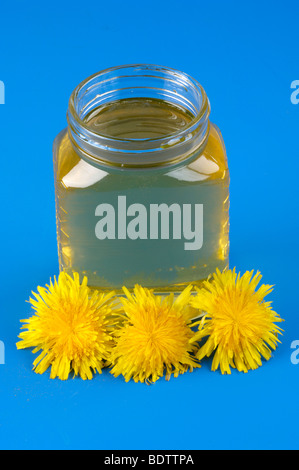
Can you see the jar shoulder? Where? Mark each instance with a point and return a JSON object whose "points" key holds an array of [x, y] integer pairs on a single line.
{"points": [[74, 172], [64, 155], [209, 165], [215, 148]]}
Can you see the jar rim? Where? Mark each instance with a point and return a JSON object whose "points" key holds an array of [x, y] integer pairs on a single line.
{"points": [[188, 78], [105, 149]]}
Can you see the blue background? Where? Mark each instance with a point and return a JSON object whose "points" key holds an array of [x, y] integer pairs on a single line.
{"points": [[245, 54]]}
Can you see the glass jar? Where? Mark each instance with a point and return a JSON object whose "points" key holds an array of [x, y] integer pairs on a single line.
{"points": [[141, 181]]}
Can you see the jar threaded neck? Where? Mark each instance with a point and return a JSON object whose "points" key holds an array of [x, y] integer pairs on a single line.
{"points": [[142, 81]]}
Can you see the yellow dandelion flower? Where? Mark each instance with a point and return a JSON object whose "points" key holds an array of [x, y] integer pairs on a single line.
{"points": [[154, 336], [239, 324], [71, 326]]}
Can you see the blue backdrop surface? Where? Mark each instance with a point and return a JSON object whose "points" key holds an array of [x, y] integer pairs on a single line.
{"points": [[245, 54]]}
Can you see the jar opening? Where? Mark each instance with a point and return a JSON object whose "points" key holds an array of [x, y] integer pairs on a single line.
{"points": [[135, 82]]}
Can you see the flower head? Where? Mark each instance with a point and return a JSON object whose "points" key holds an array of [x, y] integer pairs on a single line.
{"points": [[154, 337], [71, 327], [239, 324]]}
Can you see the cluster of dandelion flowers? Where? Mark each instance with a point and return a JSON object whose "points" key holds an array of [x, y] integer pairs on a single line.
{"points": [[72, 327], [238, 324], [154, 337]]}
